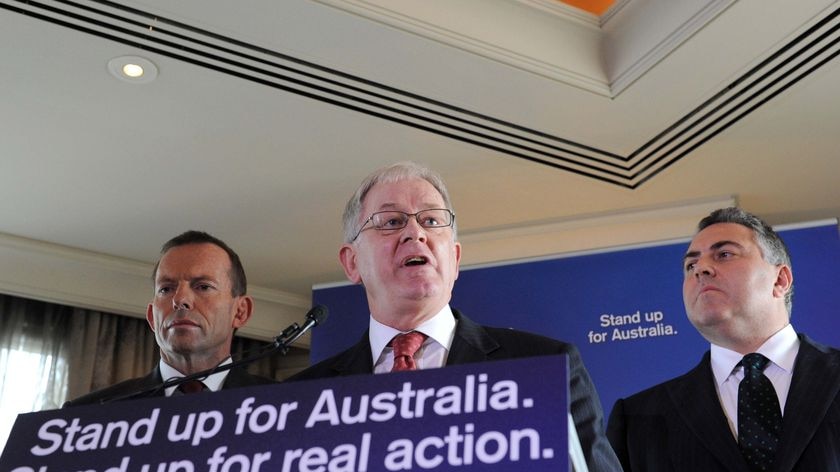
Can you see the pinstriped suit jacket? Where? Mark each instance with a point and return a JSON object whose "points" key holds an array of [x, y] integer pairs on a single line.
{"points": [[476, 343], [680, 426]]}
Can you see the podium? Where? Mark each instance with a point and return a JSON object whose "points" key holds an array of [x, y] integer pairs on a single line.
{"points": [[504, 415]]}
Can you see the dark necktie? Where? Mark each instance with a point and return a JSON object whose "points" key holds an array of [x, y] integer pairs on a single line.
{"points": [[191, 386], [405, 345], [759, 415]]}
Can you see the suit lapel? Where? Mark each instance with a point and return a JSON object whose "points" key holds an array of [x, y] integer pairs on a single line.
{"points": [[695, 399], [356, 360], [152, 380], [471, 342], [813, 388]]}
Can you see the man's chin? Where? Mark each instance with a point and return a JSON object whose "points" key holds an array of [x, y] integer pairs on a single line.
{"points": [[183, 345]]}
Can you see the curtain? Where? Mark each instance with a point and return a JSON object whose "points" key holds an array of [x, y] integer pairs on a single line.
{"points": [[32, 342], [50, 353], [107, 349]]}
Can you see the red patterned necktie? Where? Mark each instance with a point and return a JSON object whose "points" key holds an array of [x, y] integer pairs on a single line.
{"points": [[405, 345], [192, 386]]}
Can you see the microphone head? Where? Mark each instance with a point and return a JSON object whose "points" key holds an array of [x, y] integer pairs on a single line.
{"points": [[318, 314]]}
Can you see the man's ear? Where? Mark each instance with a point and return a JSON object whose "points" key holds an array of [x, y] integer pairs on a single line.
{"points": [[244, 310], [347, 257], [457, 259], [150, 317], [784, 281]]}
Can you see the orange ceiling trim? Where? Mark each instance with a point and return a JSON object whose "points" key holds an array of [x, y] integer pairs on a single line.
{"points": [[596, 7]]}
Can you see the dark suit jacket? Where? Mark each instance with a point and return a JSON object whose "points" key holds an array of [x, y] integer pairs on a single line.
{"points": [[237, 377], [475, 343], [680, 425]]}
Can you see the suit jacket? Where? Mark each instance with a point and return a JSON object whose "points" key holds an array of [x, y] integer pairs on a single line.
{"points": [[237, 377], [680, 425], [475, 343]]}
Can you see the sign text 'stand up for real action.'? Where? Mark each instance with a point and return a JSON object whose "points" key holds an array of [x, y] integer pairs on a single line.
{"points": [[506, 415]]}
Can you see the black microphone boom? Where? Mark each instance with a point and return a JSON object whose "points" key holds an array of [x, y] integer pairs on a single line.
{"points": [[281, 343], [314, 317]]}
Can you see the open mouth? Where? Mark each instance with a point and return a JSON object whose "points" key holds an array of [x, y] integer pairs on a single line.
{"points": [[415, 261]]}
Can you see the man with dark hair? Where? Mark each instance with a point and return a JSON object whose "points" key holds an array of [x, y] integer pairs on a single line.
{"points": [[763, 397], [401, 244], [239, 282], [199, 301]]}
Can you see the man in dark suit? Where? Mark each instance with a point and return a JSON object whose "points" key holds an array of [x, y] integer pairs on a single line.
{"points": [[737, 293], [199, 301], [401, 244]]}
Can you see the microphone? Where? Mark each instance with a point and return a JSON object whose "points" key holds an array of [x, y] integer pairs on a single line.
{"points": [[315, 316]]}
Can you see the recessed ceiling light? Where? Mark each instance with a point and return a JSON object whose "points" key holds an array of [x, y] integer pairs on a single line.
{"points": [[133, 69]]}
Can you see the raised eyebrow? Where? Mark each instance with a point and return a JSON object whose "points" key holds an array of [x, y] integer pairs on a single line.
{"points": [[721, 244], [713, 247], [203, 279], [691, 254], [162, 281], [193, 280]]}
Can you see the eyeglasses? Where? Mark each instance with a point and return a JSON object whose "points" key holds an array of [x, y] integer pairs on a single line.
{"points": [[393, 220]]}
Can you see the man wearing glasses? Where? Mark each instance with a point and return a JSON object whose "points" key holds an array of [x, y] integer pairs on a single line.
{"points": [[401, 244]]}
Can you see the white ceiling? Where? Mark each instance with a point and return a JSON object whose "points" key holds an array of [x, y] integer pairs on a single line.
{"points": [[103, 166]]}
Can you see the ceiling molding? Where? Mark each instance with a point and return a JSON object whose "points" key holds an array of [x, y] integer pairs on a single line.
{"points": [[564, 11], [652, 53], [613, 10], [586, 233], [607, 54], [600, 220], [794, 60], [579, 66]]}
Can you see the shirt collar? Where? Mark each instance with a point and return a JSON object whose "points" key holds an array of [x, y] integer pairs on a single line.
{"points": [[781, 349], [213, 382], [439, 328]]}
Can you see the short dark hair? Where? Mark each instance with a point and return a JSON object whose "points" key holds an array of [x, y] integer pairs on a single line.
{"points": [[773, 248], [239, 284]]}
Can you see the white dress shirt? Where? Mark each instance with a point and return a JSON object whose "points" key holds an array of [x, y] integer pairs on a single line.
{"points": [[213, 382], [440, 330], [781, 349]]}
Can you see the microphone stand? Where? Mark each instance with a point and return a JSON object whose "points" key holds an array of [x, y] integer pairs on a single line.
{"points": [[281, 343]]}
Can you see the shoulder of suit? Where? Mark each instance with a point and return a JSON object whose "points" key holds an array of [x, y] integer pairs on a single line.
{"points": [[122, 388], [241, 378], [805, 339], [536, 342], [512, 335], [324, 368], [653, 395]]}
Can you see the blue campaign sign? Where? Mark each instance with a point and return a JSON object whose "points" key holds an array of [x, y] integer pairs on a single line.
{"points": [[506, 415], [622, 308]]}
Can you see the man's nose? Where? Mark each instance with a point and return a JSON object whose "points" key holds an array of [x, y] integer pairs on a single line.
{"points": [[182, 300], [704, 267], [413, 231]]}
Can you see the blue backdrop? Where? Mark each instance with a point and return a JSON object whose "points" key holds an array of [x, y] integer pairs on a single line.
{"points": [[582, 298]]}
